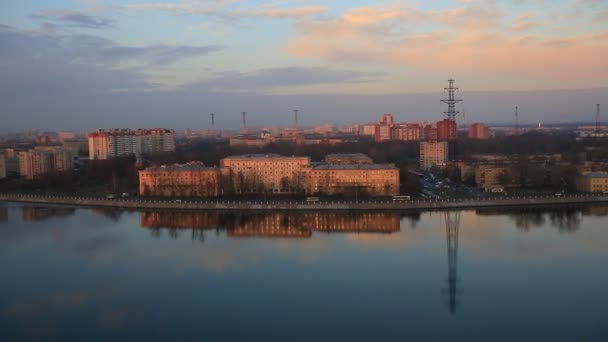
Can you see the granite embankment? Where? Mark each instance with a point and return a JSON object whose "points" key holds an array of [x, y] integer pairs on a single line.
{"points": [[333, 205]]}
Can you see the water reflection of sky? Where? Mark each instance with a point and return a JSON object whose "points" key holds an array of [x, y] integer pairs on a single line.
{"points": [[86, 274]]}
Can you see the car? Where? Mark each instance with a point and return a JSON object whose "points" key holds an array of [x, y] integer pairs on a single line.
{"points": [[125, 194], [178, 201], [110, 196]]}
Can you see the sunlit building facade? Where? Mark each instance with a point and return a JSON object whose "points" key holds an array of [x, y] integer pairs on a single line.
{"points": [[127, 142], [433, 153], [185, 180]]}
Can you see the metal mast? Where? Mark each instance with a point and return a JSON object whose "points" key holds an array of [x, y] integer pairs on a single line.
{"points": [[516, 119], [451, 101], [597, 119], [212, 121], [452, 224], [244, 122], [295, 114]]}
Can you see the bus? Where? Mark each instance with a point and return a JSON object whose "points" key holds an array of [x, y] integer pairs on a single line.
{"points": [[401, 198], [312, 199]]}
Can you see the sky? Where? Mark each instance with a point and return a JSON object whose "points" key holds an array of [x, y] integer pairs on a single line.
{"points": [[87, 64]]}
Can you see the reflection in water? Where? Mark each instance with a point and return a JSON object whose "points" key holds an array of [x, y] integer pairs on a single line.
{"points": [[111, 213], [282, 224], [3, 214], [563, 218], [45, 213], [452, 225]]}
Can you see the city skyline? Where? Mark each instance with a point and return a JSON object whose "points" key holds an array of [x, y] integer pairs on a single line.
{"points": [[79, 65]]}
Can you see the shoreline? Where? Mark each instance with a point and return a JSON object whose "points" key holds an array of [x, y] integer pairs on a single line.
{"points": [[291, 205]]}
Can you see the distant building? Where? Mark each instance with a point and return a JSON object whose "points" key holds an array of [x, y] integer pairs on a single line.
{"points": [[126, 142], [488, 176], [430, 132], [433, 153], [248, 140], [479, 131], [387, 119], [406, 132], [592, 182], [348, 158], [63, 136], [43, 140], [369, 129], [40, 161], [2, 166], [382, 132], [185, 180], [446, 130]]}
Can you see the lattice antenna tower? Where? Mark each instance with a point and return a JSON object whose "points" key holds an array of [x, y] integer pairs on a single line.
{"points": [[295, 116], [451, 101]]}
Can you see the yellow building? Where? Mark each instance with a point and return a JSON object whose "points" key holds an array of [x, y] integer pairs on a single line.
{"points": [[592, 182], [259, 173], [353, 179], [185, 180]]}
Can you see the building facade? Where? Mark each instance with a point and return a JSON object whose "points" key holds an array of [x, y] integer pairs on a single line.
{"points": [[186, 180], [352, 179], [592, 182], [40, 161], [127, 142], [486, 176], [447, 130], [479, 131], [433, 153], [264, 173], [2, 166], [406, 132]]}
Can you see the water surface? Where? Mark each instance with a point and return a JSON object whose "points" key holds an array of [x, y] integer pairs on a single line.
{"points": [[100, 275]]}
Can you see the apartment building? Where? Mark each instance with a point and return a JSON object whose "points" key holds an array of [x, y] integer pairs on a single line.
{"points": [[126, 142], [433, 153]]}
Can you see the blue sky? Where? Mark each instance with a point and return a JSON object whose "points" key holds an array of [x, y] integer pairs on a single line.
{"points": [[60, 55]]}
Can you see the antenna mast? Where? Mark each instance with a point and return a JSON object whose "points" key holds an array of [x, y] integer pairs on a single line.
{"points": [[212, 121], [244, 122], [295, 114], [597, 119], [516, 119]]}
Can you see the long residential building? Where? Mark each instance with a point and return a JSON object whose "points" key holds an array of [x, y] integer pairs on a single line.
{"points": [[127, 142], [186, 180], [349, 174], [258, 173]]}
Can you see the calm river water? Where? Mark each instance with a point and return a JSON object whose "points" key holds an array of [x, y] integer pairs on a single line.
{"points": [[487, 275]]}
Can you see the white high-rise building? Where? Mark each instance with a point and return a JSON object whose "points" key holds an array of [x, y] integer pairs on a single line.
{"points": [[127, 142]]}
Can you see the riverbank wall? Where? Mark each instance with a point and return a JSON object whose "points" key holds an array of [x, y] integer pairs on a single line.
{"points": [[252, 205]]}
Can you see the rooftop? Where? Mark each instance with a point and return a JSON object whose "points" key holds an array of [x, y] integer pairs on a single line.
{"points": [[324, 166], [192, 166], [261, 156], [597, 174]]}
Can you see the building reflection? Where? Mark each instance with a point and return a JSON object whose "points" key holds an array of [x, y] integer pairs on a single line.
{"points": [[45, 213], [3, 214], [280, 225]]}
